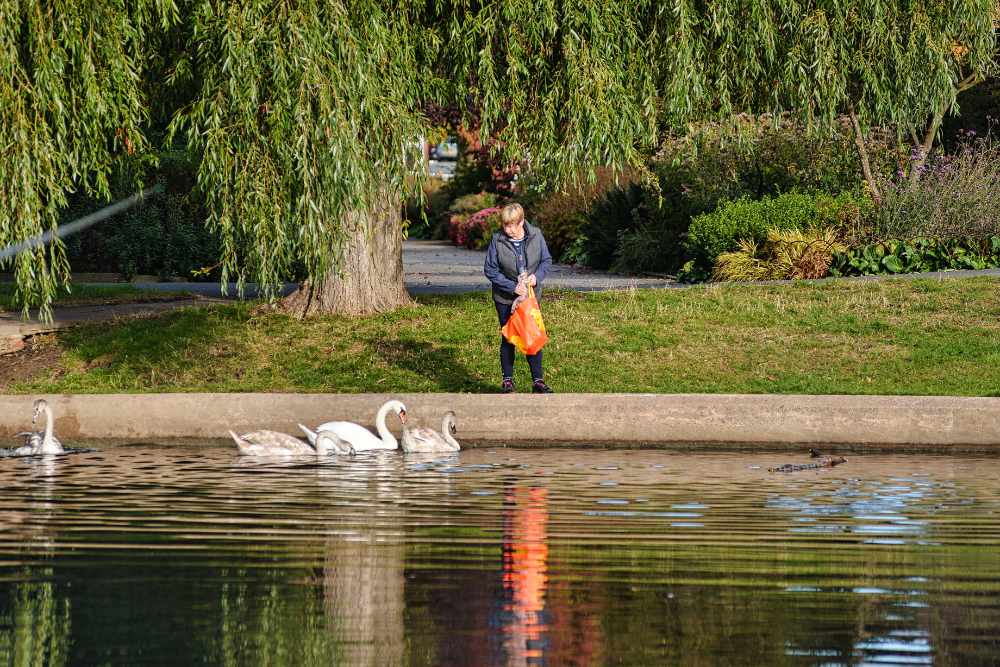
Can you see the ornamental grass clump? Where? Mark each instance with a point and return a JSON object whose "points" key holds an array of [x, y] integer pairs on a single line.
{"points": [[786, 254]]}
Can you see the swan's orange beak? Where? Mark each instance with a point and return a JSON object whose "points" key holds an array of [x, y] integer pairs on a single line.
{"points": [[402, 416]]}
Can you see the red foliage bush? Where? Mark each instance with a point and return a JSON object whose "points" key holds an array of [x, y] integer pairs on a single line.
{"points": [[474, 231]]}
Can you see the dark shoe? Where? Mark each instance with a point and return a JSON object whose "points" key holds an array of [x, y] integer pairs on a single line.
{"points": [[507, 387], [539, 387]]}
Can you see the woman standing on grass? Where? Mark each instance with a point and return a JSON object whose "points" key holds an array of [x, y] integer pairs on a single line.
{"points": [[518, 248]]}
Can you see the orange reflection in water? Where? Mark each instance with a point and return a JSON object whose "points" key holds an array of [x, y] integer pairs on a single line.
{"points": [[525, 565]]}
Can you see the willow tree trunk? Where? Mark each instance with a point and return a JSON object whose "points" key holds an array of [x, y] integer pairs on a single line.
{"points": [[368, 278]]}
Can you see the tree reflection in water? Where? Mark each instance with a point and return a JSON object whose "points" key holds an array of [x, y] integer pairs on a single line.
{"points": [[343, 604], [514, 558], [363, 590], [34, 625], [34, 615], [363, 569]]}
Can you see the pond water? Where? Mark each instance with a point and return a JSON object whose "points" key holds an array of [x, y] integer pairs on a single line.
{"points": [[141, 554]]}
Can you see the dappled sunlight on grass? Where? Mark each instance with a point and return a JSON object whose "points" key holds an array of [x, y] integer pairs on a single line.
{"points": [[893, 337], [84, 294]]}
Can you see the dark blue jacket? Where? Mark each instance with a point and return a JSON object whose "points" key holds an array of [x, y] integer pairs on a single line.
{"points": [[501, 262]]}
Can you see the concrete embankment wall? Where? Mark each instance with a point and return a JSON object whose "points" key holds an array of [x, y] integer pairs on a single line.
{"points": [[628, 420]]}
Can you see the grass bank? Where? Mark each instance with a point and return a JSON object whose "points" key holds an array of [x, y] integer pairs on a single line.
{"points": [[839, 337], [85, 295]]}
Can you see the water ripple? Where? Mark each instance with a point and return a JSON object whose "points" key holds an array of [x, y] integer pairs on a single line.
{"points": [[496, 557]]}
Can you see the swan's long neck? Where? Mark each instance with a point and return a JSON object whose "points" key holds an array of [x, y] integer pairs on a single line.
{"points": [[388, 439], [47, 438], [446, 423]]}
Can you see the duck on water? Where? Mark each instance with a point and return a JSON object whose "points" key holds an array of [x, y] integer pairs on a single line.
{"points": [[822, 461]]}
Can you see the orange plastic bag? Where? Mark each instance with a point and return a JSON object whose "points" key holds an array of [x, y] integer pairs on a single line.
{"points": [[525, 328]]}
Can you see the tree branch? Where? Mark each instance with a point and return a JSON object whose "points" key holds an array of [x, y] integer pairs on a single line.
{"points": [[924, 147], [969, 82], [866, 167]]}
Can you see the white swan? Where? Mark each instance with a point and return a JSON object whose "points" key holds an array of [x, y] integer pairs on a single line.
{"points": [[40, 442], [360, 438], [426, 439], [273, 443]]}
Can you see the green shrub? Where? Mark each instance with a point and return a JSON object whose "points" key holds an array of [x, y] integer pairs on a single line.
{"points": [[164, 236], [421, 212], [472, 203], [471, 176], [562, 214], [756, 158], [918, 255], [620, 210], [751, 158], [649, 249], [576, 252], [712, 234], [561, 231]]}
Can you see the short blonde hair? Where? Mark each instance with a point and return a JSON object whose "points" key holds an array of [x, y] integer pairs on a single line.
{"points": [[512, 214]]}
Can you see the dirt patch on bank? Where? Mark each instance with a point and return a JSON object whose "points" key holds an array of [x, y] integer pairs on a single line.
{"points": [[41, 356], [112, 300]]}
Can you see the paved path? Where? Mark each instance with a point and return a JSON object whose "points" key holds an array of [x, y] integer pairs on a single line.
{"points": [[430, 267], [437, 267]]}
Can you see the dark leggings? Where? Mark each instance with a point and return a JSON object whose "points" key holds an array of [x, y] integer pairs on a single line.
{"points": [[507, 349]]}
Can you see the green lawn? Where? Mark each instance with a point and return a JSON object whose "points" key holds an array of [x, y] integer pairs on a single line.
{"points": [[842, 337], [90, 294]]}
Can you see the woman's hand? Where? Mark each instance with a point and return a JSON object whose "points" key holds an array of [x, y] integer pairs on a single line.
{"points": [[521, 289], [532, 281]]}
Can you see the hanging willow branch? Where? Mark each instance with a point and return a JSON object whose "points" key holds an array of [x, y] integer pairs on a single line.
{"points": [[70, 110], [303, 115]]}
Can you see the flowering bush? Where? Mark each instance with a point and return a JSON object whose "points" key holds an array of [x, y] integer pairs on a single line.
{"points": [[956, 196], [462, 207], [474, 231]]}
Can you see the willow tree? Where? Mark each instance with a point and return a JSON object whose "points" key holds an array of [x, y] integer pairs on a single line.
{"points": [[309, 112], [70, 111], [304, 115], [898, 65]]}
